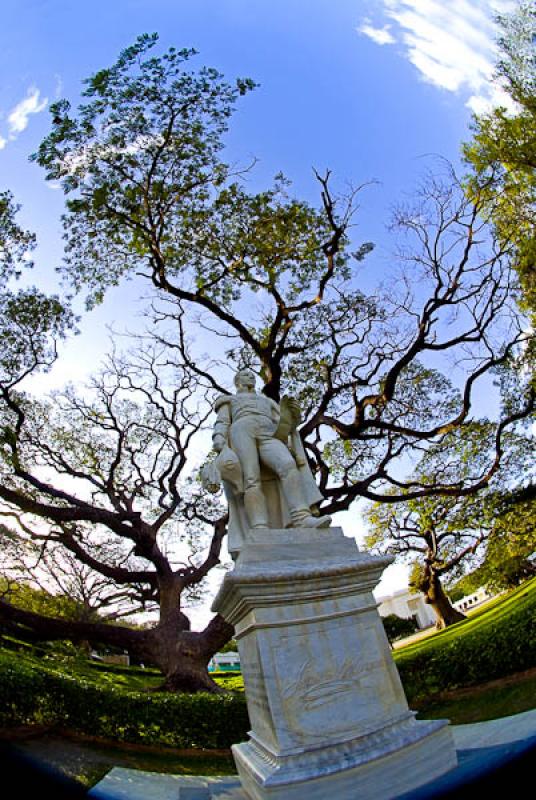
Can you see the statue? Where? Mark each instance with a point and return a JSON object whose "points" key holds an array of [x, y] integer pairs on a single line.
{"points": [[262, 463]]}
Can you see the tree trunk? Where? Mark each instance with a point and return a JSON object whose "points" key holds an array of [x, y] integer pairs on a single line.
{"points": [[190, 675], [182, 655], [435, 596]]}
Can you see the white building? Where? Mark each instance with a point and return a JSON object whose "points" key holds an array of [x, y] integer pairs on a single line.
{"points": [[471, 601], [405, 604], [226, 662]]}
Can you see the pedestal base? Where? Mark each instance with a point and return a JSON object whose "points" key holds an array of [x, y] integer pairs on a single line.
{"points": [[328, 712], [386, 770]]}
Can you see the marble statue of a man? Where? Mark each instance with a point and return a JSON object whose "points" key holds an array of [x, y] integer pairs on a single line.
{"points": [[261, 460]]}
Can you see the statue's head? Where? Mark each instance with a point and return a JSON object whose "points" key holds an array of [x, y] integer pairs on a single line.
{"points": [[245, 379]]}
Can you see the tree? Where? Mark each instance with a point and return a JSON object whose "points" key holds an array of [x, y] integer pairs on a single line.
{"points": [[502, 152], [40, 601], [422, 526], [510, 544], [118, 501], [148, 195], [442, 535], [38, 567], [275, 280]]}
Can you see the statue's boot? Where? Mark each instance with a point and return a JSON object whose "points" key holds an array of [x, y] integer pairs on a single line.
{"points": [[300, 513], [308, 521], [255, 506]]}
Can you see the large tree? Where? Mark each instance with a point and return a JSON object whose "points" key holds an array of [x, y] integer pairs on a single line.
{"points": [[510, 554], [502, 152], [444, 537], [274, 282], [105, 472]]}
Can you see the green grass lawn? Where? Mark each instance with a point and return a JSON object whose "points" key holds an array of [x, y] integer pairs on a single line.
{"points": [[482, 703], [487, 615]]}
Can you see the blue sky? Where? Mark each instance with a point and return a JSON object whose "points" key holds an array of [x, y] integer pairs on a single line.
{"points": [[365, 88]]}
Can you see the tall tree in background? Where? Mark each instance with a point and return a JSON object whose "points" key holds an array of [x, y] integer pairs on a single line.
{"points": [[275, 282], [443, 537], [510, 547], [502, 153], [98, 479]]}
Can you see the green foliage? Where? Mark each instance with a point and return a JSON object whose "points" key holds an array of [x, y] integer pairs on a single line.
{"points": [[42, 602], [502, 153], [146, 146], [397, 627], [35, 693], [230, 647], [493, 644], [16, 244], [510, 544], [29, 320], [447, 536], [230, 681], [98, 699]]}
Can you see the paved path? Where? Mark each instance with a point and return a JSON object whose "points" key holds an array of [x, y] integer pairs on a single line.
{"points": [[484, 749], [495, 731]]}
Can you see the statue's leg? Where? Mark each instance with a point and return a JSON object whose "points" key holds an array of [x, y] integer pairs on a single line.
{"points": [[244, 445], [278, 458]]}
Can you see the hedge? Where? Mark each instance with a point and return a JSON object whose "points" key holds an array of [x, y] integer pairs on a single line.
{"points": [[35, 694], [499, 642], [495, 644]]}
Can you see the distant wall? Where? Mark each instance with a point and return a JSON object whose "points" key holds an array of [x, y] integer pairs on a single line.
{"points": [[473, 600]]}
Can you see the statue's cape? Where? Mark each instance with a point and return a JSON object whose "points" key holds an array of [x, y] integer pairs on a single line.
{"points": [[221, 400]]}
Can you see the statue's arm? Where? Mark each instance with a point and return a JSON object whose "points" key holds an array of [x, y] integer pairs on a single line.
{"points": [[289, 418], [220, 431]]}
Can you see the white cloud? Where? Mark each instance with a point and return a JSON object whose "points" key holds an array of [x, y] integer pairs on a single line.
{"points": [[378, 35], [451, 45], [3, 142], [19, 117]]}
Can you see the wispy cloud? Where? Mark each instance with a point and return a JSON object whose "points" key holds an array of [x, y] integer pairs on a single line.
{"points": [[378, 35], [451, 45], [3, 142], [19, 116]]}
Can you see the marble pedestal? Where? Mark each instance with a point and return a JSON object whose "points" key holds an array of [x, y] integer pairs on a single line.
{"points": [[328, 713]]}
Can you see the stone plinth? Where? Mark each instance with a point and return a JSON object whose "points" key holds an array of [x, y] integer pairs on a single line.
{"points": [[328, 713]]}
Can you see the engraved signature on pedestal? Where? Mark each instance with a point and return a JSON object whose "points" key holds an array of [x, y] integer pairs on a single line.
{"points": [[332, 702], [313, 690]]}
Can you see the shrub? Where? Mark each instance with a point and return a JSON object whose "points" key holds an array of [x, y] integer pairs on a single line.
{"points": [[33, 693], [397, 627], [34, 689], [492, 645]]}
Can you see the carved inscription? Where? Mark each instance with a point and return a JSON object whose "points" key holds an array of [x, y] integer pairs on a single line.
{"points": [[327, 681]]}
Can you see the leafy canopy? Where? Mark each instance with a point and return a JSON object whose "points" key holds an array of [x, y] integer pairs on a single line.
{"points": [[502, 153]]}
